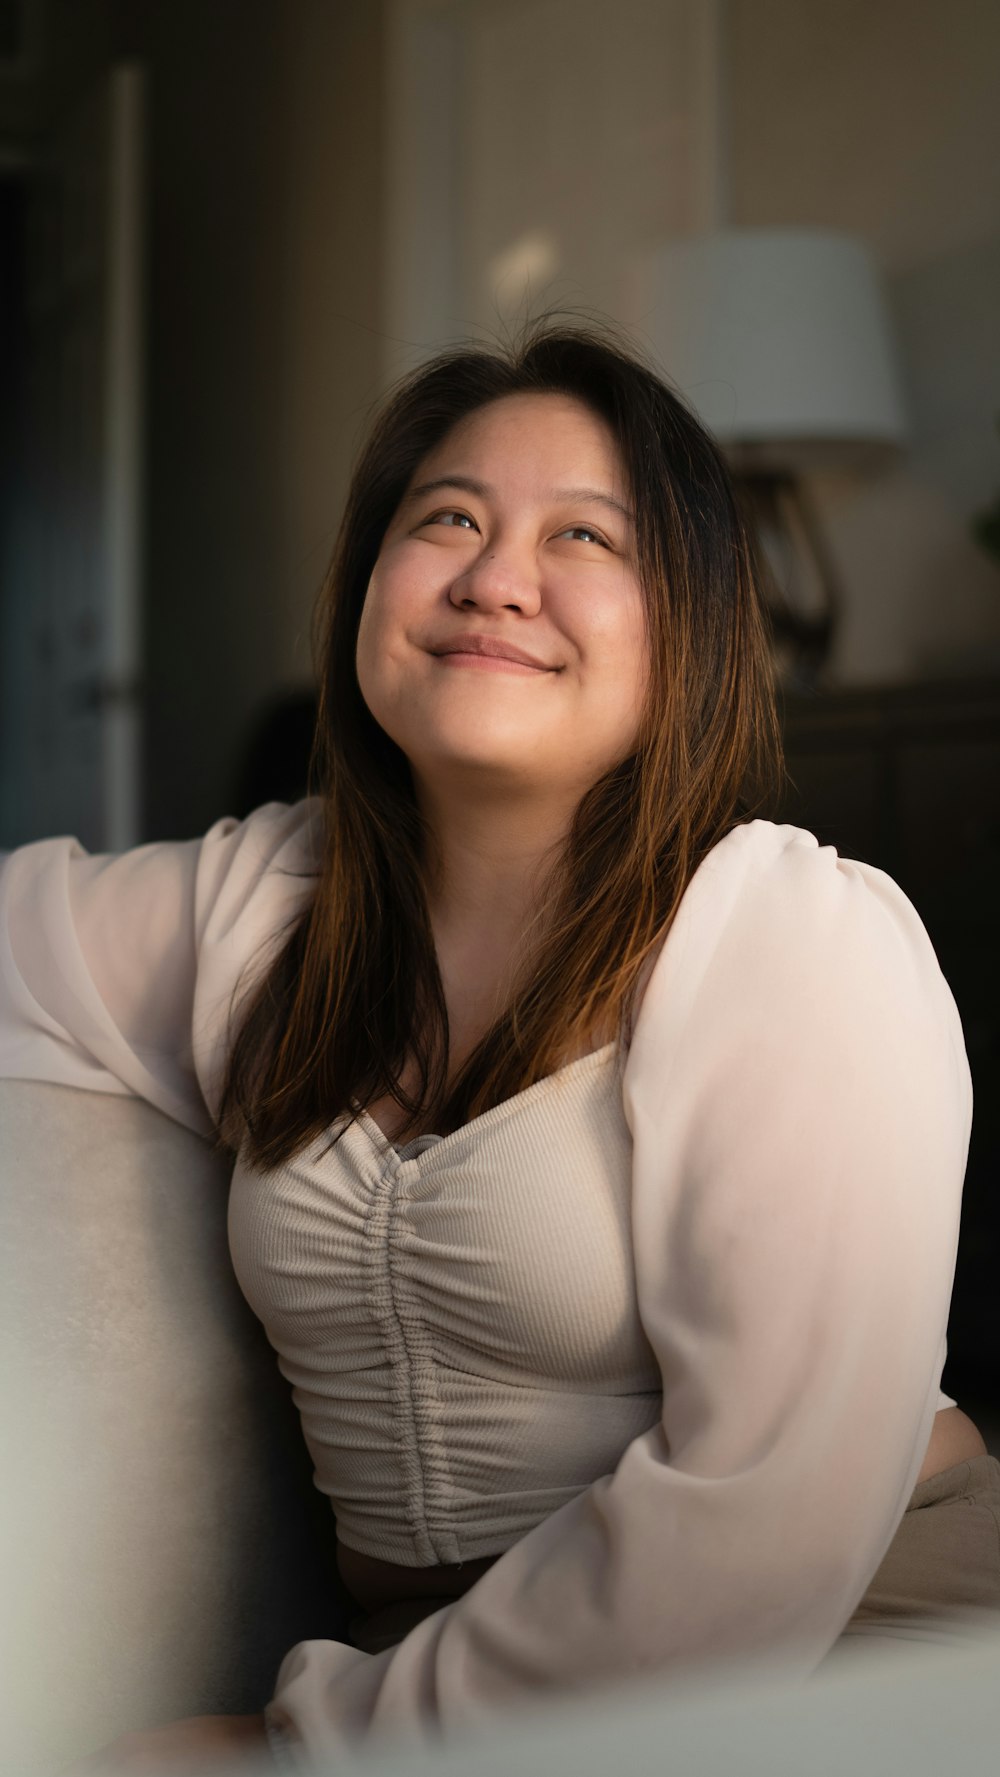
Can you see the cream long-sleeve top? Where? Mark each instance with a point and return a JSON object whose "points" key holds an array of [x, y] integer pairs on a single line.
{"points": [[793, 1115]]}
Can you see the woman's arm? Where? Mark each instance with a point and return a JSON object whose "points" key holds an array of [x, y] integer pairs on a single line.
{"points": [[199, 1743], [116, 971], [800, 1105]]}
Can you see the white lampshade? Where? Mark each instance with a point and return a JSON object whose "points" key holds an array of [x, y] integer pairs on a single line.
{"points": [[780, 341]]}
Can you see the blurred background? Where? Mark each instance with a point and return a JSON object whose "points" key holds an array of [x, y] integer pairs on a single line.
{"points": [[226, 227]]}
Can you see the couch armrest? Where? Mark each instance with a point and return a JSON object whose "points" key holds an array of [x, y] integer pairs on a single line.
{"points": [[164, 1545]]}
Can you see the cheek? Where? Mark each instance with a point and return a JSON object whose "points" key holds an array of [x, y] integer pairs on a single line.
{"points": [[393, 600], [369, 649], [630, 647], [615, 626], [639, 647], [361, 646]]}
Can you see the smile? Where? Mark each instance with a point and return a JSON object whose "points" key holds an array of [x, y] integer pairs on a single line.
{"points": [[488, 663]]}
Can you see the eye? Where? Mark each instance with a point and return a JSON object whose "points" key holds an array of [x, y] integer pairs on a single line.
{"points": [[455, 520], [584, 531]]}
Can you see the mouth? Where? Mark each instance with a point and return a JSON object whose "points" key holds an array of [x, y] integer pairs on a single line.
{"points": [[472, 642], [491, 663]]}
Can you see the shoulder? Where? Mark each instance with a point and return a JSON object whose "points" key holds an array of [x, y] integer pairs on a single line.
{"points": [[779, 881], [255, 878], [260, 867], [775, 926], [279, 834]]}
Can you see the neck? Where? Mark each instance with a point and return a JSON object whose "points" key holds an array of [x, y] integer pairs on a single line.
{"points": [[487, 871]]}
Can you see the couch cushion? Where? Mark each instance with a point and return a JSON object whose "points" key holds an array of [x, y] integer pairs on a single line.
{"points": [[164, 1545]]}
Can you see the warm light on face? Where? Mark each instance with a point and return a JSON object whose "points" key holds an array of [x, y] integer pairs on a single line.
{"points": [[515, 530]]}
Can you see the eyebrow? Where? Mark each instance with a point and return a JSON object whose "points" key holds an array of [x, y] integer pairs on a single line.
{"points": [[468, 485]]}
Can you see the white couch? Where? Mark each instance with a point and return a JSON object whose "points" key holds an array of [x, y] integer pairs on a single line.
{"points": [[162, 1542]]}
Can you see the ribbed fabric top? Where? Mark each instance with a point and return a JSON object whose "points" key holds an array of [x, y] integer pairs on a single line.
{"points": [[458, 1316]]}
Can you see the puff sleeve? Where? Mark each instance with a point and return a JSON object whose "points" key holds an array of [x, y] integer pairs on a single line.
{"points": [[800, 1104], [117, 971]]}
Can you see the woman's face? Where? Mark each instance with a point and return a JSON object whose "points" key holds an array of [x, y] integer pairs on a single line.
{"points": [[515, 529]]}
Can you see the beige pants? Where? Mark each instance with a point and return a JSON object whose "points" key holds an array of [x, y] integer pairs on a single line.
{"points": [[940, 1574], [940, 1577]]}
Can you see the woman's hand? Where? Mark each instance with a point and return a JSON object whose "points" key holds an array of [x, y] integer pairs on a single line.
{"points": [[199, 1743]]}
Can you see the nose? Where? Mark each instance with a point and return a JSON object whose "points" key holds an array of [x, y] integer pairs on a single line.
{"points": [[501, 577]]}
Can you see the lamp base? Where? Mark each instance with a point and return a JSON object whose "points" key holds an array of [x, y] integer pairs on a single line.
{"points": [[802, 595]]}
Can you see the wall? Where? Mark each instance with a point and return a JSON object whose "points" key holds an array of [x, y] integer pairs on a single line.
{"points": [[67, 45], [264, 171], [263, 245], [331, 341], [531, 146], [579, 138], [216, 293], [882, 119]]}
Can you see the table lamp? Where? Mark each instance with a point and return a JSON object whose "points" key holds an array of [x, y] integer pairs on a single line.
{"points": [[780, 341]]}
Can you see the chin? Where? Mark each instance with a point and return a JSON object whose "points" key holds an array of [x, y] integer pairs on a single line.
{"points": [[519, 764]]}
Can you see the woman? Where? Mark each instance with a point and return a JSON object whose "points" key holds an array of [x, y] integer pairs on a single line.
{"points": [[599, 1148]]}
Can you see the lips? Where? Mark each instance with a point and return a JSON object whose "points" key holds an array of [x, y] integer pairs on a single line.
{"points": [[490, 646]]}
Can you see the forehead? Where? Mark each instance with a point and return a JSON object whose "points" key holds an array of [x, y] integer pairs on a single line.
{"points": [[554, 433]]}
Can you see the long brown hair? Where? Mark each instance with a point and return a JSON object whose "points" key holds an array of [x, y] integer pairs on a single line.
{"points": [[355, 989]]}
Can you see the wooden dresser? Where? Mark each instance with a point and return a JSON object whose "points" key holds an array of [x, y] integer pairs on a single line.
{"points": [[907, 777]]}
